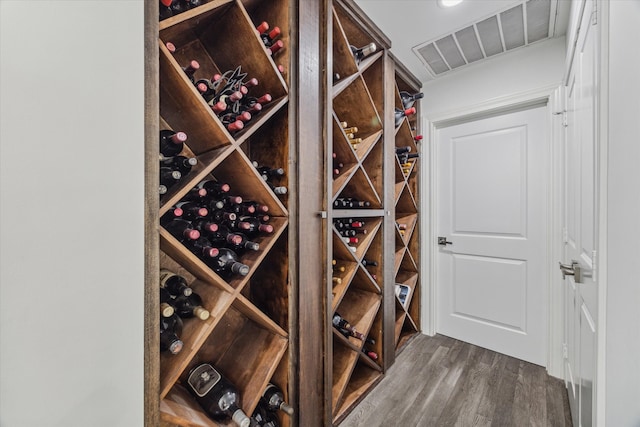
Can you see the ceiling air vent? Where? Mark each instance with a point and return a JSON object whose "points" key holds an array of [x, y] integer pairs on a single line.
{"points": [[518, 26]]}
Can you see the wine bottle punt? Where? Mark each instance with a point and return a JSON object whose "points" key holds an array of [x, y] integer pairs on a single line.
{"points": [[216, 394], [274, 398]]}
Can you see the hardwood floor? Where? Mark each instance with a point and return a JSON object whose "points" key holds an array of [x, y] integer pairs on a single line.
{"points": [[439, 381]]}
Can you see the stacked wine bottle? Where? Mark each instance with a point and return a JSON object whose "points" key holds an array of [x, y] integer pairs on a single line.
{"points": [[218, 227], [177, 301], [169, 8]]}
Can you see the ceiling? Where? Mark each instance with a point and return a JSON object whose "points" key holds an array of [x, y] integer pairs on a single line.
{"points": [[416, 23]]}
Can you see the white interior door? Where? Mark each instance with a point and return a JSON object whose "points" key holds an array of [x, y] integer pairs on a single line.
{"points": [[492, 206], [581, 224]]}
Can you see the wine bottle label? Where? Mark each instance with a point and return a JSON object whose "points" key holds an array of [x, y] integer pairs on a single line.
{"points": [[203, 378]]}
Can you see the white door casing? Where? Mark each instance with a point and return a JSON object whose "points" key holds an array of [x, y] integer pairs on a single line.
{"points": [[581, 220], [492, 205]]}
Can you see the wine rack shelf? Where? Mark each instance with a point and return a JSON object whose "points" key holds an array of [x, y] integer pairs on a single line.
{"points": [[260, 325]]}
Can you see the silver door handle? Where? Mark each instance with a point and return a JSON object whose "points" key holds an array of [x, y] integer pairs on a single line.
{"points": [[571, 270], [442, 241]]}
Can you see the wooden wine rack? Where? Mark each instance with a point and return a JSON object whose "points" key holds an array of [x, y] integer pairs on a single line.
{"points": [[247, 335], [407, 211], [274, 324]]}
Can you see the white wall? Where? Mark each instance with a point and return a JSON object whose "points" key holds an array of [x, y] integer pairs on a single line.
{"points": [[71, 213], [622, 376], [534, 67]]}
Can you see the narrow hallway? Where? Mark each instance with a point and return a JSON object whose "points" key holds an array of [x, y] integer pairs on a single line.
{"points": [[439, 381]]}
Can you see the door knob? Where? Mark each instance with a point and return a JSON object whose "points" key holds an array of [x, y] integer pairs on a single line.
{"points": [[443, 241], [571, 270]]}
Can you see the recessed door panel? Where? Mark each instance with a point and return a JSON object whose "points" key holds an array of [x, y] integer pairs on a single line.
{"points": [[491, 291], [490, 182]]}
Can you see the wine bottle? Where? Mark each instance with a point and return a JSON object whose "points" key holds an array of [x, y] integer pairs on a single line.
{"points": [[166, 309], [254, 226], [275, 47], [179, 6], [221, 216], [350, 130], [165, 9], [348, 232], [227, 263], [401, 114], [259, 207], [241, 243], [171, 214], [217, 395], [190, 306], [173, 283], [408, 99], [263, 417], [202, 248], [402, 150], [192, 210], [404, 158], [190, 69], [278, 189], [214, 188], [263, 27], [181, 229], [171, 143], [341, 322], [181, 164], [372, 354], [369, 262], [169, 177], [418, 138], [360, 53], [268, 38], [205, 227], [170, 330], [268, 172], [274, 398]]}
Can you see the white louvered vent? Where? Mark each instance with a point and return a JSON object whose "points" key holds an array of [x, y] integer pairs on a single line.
{"points": [[518, 26]]}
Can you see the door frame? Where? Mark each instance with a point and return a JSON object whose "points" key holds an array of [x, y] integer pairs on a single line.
{"points": [[546, 96]]}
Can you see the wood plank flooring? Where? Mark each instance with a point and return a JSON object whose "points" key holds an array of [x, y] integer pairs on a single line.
{"points": [[439, 382]]}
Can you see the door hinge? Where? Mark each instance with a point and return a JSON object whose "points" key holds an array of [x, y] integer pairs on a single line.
{"points": [[565, 351], [565, 235], [594, 14], [564, 117]]}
